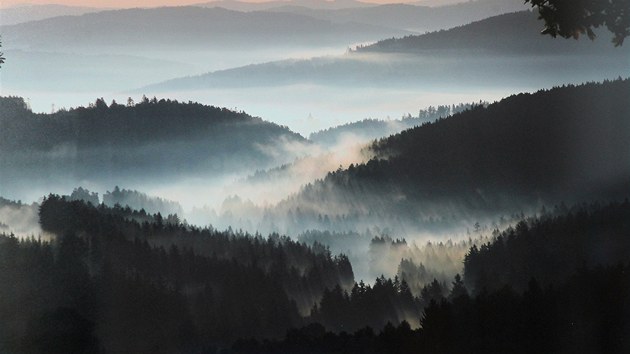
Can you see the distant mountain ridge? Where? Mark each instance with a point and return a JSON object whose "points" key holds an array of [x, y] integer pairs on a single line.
{"points": [[20, 14], [371, 129], [181, 27], [511, 44], [412, 17], [511, 33], [267, 5]]}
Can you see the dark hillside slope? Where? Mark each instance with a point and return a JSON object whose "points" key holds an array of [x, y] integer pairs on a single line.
{"points": [[564, 144], [507, 34], [150, 136], [547, 142], [543, 287], [552, 248], [116, 280]]}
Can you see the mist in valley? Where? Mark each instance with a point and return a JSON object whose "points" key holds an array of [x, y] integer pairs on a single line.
{"points": [[287, 175]]}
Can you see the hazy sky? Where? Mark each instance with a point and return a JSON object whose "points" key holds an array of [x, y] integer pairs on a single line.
{"points": [[153, 3]]}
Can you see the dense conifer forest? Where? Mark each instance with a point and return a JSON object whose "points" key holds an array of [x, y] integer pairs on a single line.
{"points": [[115, 271], [538, 287], [556, 282], [506, 34], [132, 139]]}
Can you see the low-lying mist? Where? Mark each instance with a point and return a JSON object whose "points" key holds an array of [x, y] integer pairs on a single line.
{"points": [[20, 219], [264, 187]]}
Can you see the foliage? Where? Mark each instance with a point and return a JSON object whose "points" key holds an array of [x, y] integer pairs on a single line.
{"points": [[374, 305], [137, 200], [570, 306], [85, 195], [128, 281], [2, 58], [551, 248], [588, 314], [570, 19]]}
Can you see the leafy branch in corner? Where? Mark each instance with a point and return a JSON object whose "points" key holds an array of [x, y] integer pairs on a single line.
{"points": [[571, 19], [1, 54]]}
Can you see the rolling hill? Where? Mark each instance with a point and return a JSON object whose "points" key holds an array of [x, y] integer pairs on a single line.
{"points": [[371, 129], [412, 17], [503, 50], [568, 144], [184, 27], [145, 141], [27, 13]]}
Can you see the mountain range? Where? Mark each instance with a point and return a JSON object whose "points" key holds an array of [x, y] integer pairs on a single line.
{"points": [[511, 44], [411, 17], [516, 33], [20, 14], [184, 27]]}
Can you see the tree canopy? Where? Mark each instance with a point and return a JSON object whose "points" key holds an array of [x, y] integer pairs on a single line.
{"points": [[1, 54], [571, 19]]}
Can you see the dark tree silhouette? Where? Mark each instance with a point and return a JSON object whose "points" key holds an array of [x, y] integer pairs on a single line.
{"points": [[571, 19], [1, 54], [116, 280], [575, 305]]}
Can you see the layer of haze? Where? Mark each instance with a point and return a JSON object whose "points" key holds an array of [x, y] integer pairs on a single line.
{"points": [[154, 3], [319, 88]]}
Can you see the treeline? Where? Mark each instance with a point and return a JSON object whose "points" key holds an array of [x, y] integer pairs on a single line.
{"points": [[554, 284], [117, 280], [130, 198], [370, 129], [137, 200], [373, 253], [551, 248]]}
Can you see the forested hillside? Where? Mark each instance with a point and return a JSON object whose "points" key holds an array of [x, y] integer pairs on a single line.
{"points": [[149, 139], [370, 129], [506, 34], [565, 144], [558, 283], [112, 272], [128, 124], [551, 248]]}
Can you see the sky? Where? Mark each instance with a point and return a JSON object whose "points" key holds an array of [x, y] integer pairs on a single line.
{"points": [[154, 3]]}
